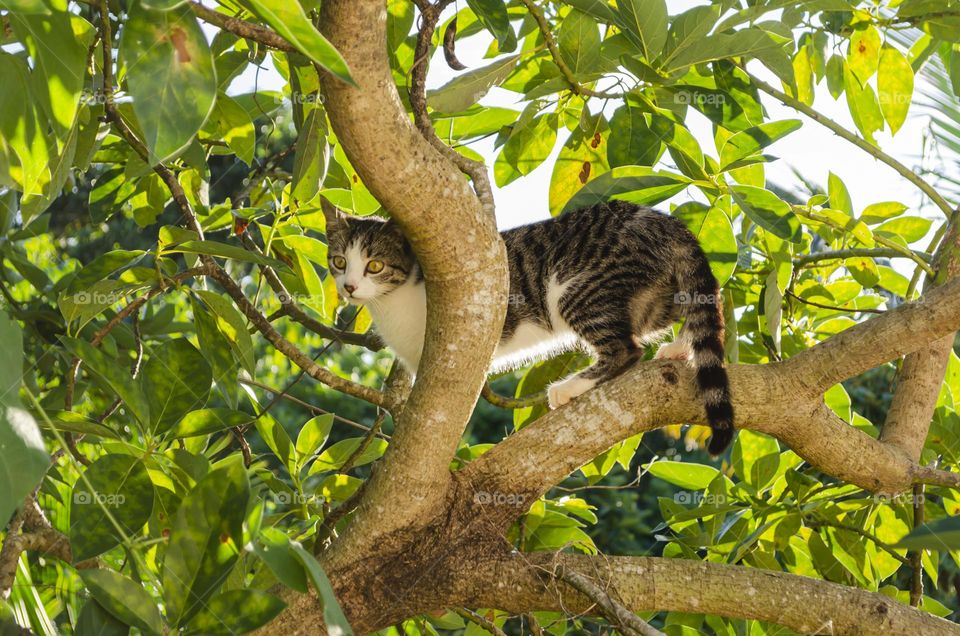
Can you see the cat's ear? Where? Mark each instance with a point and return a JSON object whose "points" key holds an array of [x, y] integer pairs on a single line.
{"points": [[336, 220], [393, 227]]}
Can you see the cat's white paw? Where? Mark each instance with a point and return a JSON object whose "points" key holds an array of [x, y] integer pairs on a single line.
{"points": [[674, 351], [560, 393]]}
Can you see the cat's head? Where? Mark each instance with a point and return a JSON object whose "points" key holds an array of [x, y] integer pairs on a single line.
{"points": [[368, 256]]}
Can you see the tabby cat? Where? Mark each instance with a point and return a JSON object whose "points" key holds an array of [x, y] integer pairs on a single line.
{"points": [[610, 278]]}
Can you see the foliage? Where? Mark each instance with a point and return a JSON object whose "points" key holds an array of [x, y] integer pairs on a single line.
{"points": [[147, 442]]}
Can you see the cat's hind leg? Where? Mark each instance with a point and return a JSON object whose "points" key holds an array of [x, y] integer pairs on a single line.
{"points": [[612, 342]]}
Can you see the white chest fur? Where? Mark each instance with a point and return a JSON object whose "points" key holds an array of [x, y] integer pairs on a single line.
{"points": [[401, 317]]}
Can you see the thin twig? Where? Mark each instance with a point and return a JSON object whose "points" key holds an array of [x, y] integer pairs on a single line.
{"points": [[854, 252], [612, 610], [915, 557], [478, 619], [833, 307]]}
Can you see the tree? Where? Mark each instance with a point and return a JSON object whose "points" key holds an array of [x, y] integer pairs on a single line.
{"points": [[138, 376]]}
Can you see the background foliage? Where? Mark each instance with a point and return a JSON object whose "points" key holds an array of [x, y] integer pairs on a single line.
{"points": [[142, 463]]}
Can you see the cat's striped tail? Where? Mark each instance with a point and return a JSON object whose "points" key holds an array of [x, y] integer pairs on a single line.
{"points": [[699, 293]]}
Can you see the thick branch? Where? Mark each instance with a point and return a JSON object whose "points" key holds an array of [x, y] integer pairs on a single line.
{"points": [[806, 605], [463, 260], [781, 399]]}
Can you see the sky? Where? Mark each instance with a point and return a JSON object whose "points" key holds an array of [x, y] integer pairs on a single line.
{"points": [[813, 151]]}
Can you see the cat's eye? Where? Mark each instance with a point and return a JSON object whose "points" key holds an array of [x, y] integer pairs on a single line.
{"points": [[339, 262], [375, 267]]}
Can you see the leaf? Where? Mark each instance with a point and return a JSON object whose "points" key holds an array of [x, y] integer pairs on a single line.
{"points": [[335, 456], [233, 325], [863, 53], [235, 612], [768, 211], [310, 159], [646, 23], [21, 130], [863, 270], [637, 184], [894, 87], [333, 616], [205, 540], [908, 228], [864, 109], [113, 376], [686, 475], [631, 140], [121, 485], [206, 421], [749, 41], [582, 158], [750, 141], [58, 42], [276, 438], [465, 90], [176, 380], [96, 621], [836, 67], [529, 145], [839, 195], [879, 212], [124, 598], [72, 422], [579, 42], [715, 234], [803, 74], [23, 457], [230, 123], [274, 549], [217, 349], [942, 535], [170, 75], [289, 20], [314, 434], [225, 250], [493, 15]]}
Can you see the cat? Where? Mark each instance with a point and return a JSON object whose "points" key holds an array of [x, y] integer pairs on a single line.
{"points": [[610, 278]]}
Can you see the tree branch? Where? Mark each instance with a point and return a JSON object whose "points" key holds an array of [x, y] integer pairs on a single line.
{"points": [[244, 29], [781, 399], [463, 261], [806, 605]]}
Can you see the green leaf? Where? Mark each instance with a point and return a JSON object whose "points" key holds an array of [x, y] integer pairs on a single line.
{"points": [[235, 612], [863, 105], [170, 76], [21, 132], [314, 434], [275, 550], [124, 598], [909, 228], [529, 145], [58, 43], [310, 160], [276, 438], [579, 42], [289, 20], [72, 422], [96, 621], [582, 158], [631, 140], [217, 349], [25, 6], [493, 15], [637, 184], [206, 421], [334, 457], [749, 142], [465, 90], [646, 23], [113, 376], [230, 123], [879, 212], [942, 535], [894, 87], [839, 195], [750, 41], [176, 380], [836, 67], [205, 540], [686, 475], [333, 615], [597, 8], [120, 484], [233, 325], [863, 53], [225, 250], [715, 234], [863, 270], [768, 211]]}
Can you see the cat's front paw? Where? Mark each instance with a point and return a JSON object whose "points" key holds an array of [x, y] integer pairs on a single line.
{"points": [[560, 393]]}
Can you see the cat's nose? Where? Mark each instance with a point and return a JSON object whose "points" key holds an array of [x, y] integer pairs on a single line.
{"points": [[350, 288]]}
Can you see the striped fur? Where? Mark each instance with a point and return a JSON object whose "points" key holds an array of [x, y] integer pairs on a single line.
{"points": [[610, 278]]}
